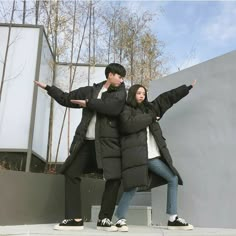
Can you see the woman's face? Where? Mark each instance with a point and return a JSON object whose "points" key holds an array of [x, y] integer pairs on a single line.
{"points": [[140, 95]]}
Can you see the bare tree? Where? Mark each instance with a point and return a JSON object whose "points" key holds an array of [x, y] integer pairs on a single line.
{"points": [[112, 28], [5, 11], [69, 20], [24, 11], [94, 36], [71, 71], [150, 63], [37, 11], [72, 81], [130, 42]]}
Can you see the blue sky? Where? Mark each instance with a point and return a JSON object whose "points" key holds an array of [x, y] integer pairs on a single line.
{"points": [[192, 31]]}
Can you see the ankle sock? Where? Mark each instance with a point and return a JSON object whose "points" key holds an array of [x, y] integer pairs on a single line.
{"points": [[172, 218], [77, 220]]}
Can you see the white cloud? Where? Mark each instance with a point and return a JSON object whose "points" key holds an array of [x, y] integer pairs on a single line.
{"points": [[222, 28]]}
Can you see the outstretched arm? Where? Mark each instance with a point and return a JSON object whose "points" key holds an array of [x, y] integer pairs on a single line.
{"points": [[63, 98], [166, 100], [111, 107]]}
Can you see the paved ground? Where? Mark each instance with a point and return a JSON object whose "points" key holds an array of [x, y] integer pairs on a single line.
{"points": [[90, 230]]}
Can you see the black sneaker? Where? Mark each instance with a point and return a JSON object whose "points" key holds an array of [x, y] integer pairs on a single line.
{"points": [[179, 223], [121, 225], [106, 225], [70, 224]]}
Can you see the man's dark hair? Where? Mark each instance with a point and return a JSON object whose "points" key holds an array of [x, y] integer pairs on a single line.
{"points": [[115, 68]]}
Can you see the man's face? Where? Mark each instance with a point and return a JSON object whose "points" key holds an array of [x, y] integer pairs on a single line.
{"points": [[115, 79]]}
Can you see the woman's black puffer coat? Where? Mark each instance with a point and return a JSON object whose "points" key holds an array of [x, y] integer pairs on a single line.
{"points": [[133, 124]]}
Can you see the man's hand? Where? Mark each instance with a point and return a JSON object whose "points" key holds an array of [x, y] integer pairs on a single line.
{"points": [[194, 82], [82, 103], [40, 84]]}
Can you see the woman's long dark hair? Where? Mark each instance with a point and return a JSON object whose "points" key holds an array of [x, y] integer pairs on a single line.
{"points": [[145, 106]]}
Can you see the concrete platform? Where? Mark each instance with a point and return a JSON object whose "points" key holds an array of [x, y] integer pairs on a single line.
{"points": [[90, 230]]}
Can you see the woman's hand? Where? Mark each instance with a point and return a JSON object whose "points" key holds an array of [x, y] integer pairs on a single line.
{"points": [[194, 82], [40, 84]]}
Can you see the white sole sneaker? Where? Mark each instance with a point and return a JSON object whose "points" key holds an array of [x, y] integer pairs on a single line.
{"points": [[189, 227], [70, 228], [109, 229], [123, 229]]}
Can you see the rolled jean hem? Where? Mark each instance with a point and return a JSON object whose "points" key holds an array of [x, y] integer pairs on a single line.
{"points": [[171, 213]]}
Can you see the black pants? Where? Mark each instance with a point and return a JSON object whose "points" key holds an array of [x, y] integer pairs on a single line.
{"points": [[87, 161]]}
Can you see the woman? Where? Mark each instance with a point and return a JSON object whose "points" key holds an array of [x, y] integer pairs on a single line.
{"points": [[146, 161]]}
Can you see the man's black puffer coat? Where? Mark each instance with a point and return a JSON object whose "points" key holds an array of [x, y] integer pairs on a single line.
{"points": [[107, 139]]}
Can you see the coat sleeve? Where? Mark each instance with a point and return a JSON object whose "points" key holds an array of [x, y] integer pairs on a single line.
{"points": [[166, 100], [132, 123], [111, 106], [64, 98]]}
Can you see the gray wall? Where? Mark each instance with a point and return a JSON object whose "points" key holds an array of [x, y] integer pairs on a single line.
{"points": [[30, 198], [201, 136], [34, 198]]}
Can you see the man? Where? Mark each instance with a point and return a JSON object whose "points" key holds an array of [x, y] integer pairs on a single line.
{"points": [[95, 147]]}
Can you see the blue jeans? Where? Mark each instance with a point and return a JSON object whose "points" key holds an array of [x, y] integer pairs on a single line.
{"points": [[160, 168]]}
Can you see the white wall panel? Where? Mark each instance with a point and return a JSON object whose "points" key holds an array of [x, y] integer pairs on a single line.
{"points": [[41, 127], [15, 106]]}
